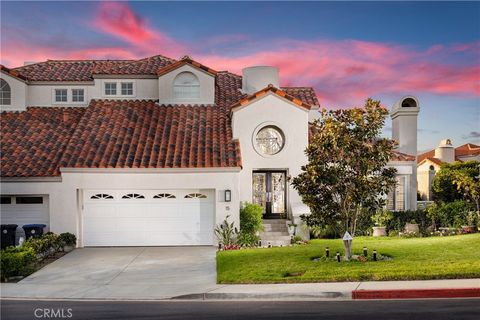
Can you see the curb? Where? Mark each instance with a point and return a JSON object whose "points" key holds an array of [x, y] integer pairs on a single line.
{"points": [[416, 294], [338, 295]]}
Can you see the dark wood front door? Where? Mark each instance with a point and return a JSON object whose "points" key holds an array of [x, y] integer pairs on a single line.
{"points": [[269, 191]]}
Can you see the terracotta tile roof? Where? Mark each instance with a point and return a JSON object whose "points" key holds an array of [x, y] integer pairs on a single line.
{"points": [[34, 140], [425, 155], [185, 60], [434, 160], [65, 70], [11, 72], [142, 134], [399, 156], [263, 92], [466, 150], [146, 66], [306, 94]]}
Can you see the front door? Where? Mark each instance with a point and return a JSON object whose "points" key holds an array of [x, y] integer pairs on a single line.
{"points": [[269, 191]]}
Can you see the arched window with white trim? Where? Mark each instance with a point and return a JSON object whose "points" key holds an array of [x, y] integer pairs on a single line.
{"points": [[186, 86], [5, 93]]}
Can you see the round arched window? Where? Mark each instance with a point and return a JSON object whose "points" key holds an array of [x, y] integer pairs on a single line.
{"points": [[186, 86], [269, 140]]}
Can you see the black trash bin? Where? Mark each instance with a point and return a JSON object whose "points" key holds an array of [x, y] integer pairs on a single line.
{"points": [[33, 230], [8, 235]]}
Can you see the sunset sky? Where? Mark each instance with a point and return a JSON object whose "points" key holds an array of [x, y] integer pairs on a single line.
{"points": [[346, 51]]}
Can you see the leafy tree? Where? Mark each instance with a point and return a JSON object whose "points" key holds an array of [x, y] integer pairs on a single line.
{"points": [[469, 183], [346, 174], [453, 179]]}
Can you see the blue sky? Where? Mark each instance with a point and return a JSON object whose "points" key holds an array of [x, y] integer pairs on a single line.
{"points": [[347, 51]]}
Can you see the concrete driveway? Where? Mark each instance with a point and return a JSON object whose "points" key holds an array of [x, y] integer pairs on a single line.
{"points": [[122, 273]]}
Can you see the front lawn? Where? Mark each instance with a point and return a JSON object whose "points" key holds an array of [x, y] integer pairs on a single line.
{"points": [[412, 258]]}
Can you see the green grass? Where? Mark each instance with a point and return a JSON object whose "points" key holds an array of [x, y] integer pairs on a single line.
{"points": [[412, 258]]}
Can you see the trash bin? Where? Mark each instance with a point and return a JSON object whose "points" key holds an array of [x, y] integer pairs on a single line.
{"points": [[33, 230], [8, 235]]}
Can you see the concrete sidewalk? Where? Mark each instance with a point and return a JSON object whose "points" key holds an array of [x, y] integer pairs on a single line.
{"points": [[295, 291], [344, 290]]}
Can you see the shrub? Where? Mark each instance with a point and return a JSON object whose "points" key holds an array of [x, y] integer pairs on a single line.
{"points": [[226, 232], [452, 214], [382, 217], [323, 232], [250, 224], [68, 239], [17, 261], [401, 218], [38, 245]]}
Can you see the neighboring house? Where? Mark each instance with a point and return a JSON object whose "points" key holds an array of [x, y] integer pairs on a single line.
{"points": [[429, 163], [158, 151]]}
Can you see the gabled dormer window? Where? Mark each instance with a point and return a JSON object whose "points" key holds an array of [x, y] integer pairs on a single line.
{"points": [[186, 86]]}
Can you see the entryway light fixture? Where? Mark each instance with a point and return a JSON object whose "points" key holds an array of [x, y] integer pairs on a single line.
{"points": [[228, 195]]}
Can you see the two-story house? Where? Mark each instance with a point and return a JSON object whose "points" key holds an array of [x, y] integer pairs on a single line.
{"points": [[158, 151]]}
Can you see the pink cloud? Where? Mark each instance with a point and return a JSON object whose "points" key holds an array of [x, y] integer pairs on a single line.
{"points": [[343, 72], [119, 20]]}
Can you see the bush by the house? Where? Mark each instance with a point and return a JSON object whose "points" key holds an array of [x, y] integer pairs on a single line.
{"points": [[67, 239], [453, 214], [17, 261], [251, 224], [400, 218]]}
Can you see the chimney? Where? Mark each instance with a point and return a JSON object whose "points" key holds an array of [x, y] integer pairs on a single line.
{"points": [[445, 151], [404, 124], [259, 77]]}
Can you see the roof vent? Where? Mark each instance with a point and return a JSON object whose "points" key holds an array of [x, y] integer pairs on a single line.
{"points": [[258, 78]]}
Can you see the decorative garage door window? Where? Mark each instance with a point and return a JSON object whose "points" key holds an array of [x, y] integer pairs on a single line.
{"points": [[195, 196], [133, 196], [164, 196], [100, 196]]}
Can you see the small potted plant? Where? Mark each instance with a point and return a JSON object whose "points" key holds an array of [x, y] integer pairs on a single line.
{"points": [[470, 219], [68, 240], [380, 219], [412, 227]]}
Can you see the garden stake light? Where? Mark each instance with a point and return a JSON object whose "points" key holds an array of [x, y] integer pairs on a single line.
{"points": [[338, 256], [327, 252], [365, 251], [374, 255]]}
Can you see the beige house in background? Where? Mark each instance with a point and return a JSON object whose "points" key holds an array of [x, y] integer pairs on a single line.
{"points": [[429, 163]]}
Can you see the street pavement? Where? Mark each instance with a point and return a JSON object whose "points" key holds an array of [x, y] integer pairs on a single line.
{"points": [[438, 309]]}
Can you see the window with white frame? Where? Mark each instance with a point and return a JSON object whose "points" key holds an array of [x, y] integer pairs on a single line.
{"points": [[127, 88], [186, 86], [397, 196], [110, 88], [78, 95], [61, 95], [5, 93]]}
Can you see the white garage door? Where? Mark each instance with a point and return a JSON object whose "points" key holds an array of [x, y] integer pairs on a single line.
{"points": [[148, 217], [24, 209]]}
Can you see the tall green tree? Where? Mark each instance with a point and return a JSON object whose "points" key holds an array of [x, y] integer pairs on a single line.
{"points": [[346, 174], [455, 180]]}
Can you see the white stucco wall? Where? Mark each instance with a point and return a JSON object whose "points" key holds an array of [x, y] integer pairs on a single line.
{"points": [[207, 87], [65, 206], [43, 95], [292, 120], [18, 93], [143, 89]]}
